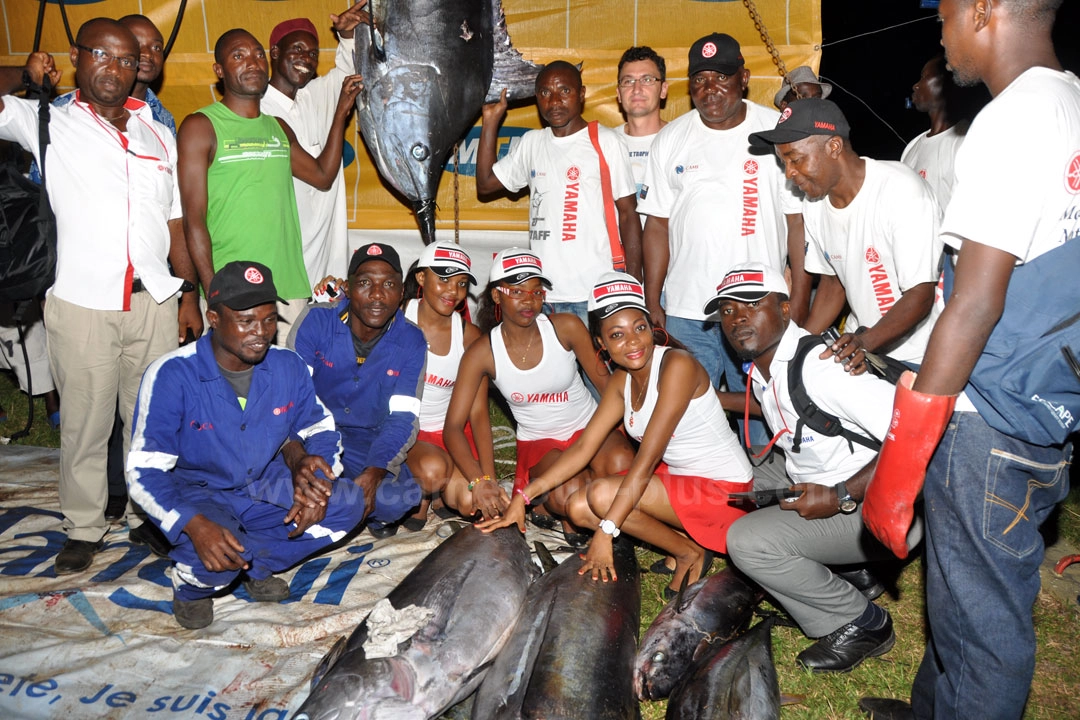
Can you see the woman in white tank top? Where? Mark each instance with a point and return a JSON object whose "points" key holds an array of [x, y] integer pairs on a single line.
{"points": [[664, 398], [443, 275], [533, 361]]}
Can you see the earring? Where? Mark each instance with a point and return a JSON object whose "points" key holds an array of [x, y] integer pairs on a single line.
{"points": [[498, 313], [667, 338]]}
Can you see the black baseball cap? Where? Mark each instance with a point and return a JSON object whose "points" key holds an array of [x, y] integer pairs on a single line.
{"points": [[242, 284], [717, 52], [801, 119], [375, 251]]}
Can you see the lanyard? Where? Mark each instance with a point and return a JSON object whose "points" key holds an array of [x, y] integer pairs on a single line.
{"points": [[746, 420]]}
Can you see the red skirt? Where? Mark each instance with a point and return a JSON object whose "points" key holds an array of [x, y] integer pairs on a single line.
{"points": [[436, 439], [530, 452], [702, 506]]}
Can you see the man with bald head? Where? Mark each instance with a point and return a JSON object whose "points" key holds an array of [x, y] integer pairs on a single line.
{"points": [[112, 311], [235, 172]]}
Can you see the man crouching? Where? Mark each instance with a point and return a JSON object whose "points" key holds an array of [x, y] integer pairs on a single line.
{"points": [[205, 463]]}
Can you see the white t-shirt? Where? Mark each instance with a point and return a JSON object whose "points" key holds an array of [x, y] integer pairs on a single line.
{"points": [[637, 147], [724, 204], [863, 403], [932, 157], [324, 226], [567, 227], [1019, 190], [882, 244]]}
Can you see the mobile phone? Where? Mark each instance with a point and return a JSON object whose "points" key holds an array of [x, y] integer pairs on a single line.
{"points": [[830, 336], [765, 497]]}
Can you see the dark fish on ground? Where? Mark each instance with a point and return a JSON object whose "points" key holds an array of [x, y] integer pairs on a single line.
{"points": [[572, 654], [714, 609], [469, 592], [732, 681], [428, 67]]}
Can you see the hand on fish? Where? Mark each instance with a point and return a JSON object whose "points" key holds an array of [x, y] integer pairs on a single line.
{"points": [[351, 86], [494, 112], [513, 514], [599, 559], [815, 503], [217, 548], [346, 23]]}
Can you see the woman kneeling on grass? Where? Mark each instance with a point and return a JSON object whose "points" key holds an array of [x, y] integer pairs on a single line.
{"points": [[533, 361], [663, 397]]}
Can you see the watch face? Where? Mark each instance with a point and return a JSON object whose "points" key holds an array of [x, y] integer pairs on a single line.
{"points": [[848, 506]]}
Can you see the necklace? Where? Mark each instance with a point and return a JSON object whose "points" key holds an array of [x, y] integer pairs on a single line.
{"points": [[637, 399], [106, 118], [527, 347]]}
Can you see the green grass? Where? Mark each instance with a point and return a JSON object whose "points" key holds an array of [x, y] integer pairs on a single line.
{"points": [[1057, 674]]}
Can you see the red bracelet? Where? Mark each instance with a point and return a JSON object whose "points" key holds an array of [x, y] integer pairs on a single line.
{"points": [[521, 492]]}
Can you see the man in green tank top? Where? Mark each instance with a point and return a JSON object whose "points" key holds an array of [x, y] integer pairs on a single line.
{"points": [[235, 174]]}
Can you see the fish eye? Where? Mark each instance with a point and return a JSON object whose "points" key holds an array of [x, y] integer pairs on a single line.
{"points": [[659, 657]]}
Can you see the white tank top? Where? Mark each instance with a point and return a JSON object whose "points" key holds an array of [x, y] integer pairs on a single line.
{"points": [[550, 400], [441, 375], [703, 443]]}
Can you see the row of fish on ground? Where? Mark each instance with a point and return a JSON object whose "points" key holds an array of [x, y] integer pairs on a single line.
{"points": [[477, 629]]}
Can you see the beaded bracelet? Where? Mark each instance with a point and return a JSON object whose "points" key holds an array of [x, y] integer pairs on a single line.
{"points": [[479, 480], [526, 498]]}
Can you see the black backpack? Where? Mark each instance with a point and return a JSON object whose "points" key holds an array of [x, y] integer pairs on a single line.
{"points": [[812, 416], [27, 223]]}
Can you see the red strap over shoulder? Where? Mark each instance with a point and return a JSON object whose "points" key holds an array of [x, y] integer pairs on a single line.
{"points": [[618, 258]]}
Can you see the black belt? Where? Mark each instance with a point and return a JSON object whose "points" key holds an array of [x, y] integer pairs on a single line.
{"points": [[136, 286]]}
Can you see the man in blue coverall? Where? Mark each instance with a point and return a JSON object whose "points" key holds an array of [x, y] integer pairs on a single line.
{"points": [[205, 461], [368, 364]]}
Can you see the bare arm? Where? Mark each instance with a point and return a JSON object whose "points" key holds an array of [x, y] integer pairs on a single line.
{"points": [[320, 172], [189, 316], [574, 336], [735, 402], [960, 334], [491, 116], [801, 281], [479, 417], [828, 303], [476, 366], [196, 145], [655, 253], [630, 232], [38, 65], [346, 23], [909, 311]]}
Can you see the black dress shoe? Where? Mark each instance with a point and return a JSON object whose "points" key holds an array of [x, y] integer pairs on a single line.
{"points": [[865, 582], [414, 524], [842, 650], [115, 508], [886, 709], [147, 534], [383, 531], [76, 556]]}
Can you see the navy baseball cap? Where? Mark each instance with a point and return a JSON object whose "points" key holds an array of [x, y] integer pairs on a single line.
{"points": [[801, 119], [375, 251], [241, 284]]}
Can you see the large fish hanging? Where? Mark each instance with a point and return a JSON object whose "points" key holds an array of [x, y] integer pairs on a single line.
{"points": [[428, 67]]}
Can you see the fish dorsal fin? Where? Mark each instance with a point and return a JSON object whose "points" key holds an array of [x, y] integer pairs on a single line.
{"points": [[546, 559], [441, 600], [328, 661], [509, 69], [682, 601]]}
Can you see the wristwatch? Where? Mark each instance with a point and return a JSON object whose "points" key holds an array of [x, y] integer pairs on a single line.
{"points": [[847, 503], [610, 528]]}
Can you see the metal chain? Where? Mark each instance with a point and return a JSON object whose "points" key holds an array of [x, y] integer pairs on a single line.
{"points": [[457, 198], [763, 31]]}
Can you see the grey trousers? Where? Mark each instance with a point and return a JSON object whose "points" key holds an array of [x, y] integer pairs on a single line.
{"points": [[789, 557]]}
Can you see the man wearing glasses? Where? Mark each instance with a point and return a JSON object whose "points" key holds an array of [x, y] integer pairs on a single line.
{"points": [[111, 176], [642, 88]]}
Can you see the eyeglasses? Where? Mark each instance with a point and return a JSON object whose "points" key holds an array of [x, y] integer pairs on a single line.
{"points": [[644, 81], [516, 293], [100, 56]]}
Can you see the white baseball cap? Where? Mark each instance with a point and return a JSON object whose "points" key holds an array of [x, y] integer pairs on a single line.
{"points": [[446, 260], [748, 282], [615, 291], [515, 265]]}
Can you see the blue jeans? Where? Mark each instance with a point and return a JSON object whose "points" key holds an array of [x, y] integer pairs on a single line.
{"points": [[581, 309], [705, 340], [986, 495]]}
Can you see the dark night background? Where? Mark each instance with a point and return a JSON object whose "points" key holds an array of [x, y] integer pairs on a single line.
{"points": [[881, 68]]}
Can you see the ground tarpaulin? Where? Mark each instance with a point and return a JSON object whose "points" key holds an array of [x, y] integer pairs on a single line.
{"points": [[103, 643]]}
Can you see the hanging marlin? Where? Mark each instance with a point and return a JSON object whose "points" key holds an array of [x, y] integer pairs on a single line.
{"points": [[428, 66]]}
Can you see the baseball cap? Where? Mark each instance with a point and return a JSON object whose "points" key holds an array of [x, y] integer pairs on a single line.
{"points": [[515, 265], [801, 119], [290, 26], [446, 260], [240, 285], [375, 251], [748, 282], [798, 76], [717, 52], [615, 291]]}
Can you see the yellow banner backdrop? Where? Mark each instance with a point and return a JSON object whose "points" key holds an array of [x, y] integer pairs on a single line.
{"points": [[591, 32]]}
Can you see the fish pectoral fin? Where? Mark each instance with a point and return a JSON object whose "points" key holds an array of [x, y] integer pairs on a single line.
{"points": [[328, 661], [441, 600], [545, 556]]}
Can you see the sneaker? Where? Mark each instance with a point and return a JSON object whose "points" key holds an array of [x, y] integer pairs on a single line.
{"points": [[147, 534], [76, 556], [193, 614], [844, 649], [271, 589]]}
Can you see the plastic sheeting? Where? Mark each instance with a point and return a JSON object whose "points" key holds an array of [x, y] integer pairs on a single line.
{"points": [[103, 643]]}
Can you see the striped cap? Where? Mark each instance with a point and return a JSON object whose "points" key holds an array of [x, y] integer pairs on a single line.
{"points": [[446, 260], [615, 291], [515, 265], [748, 282]]}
